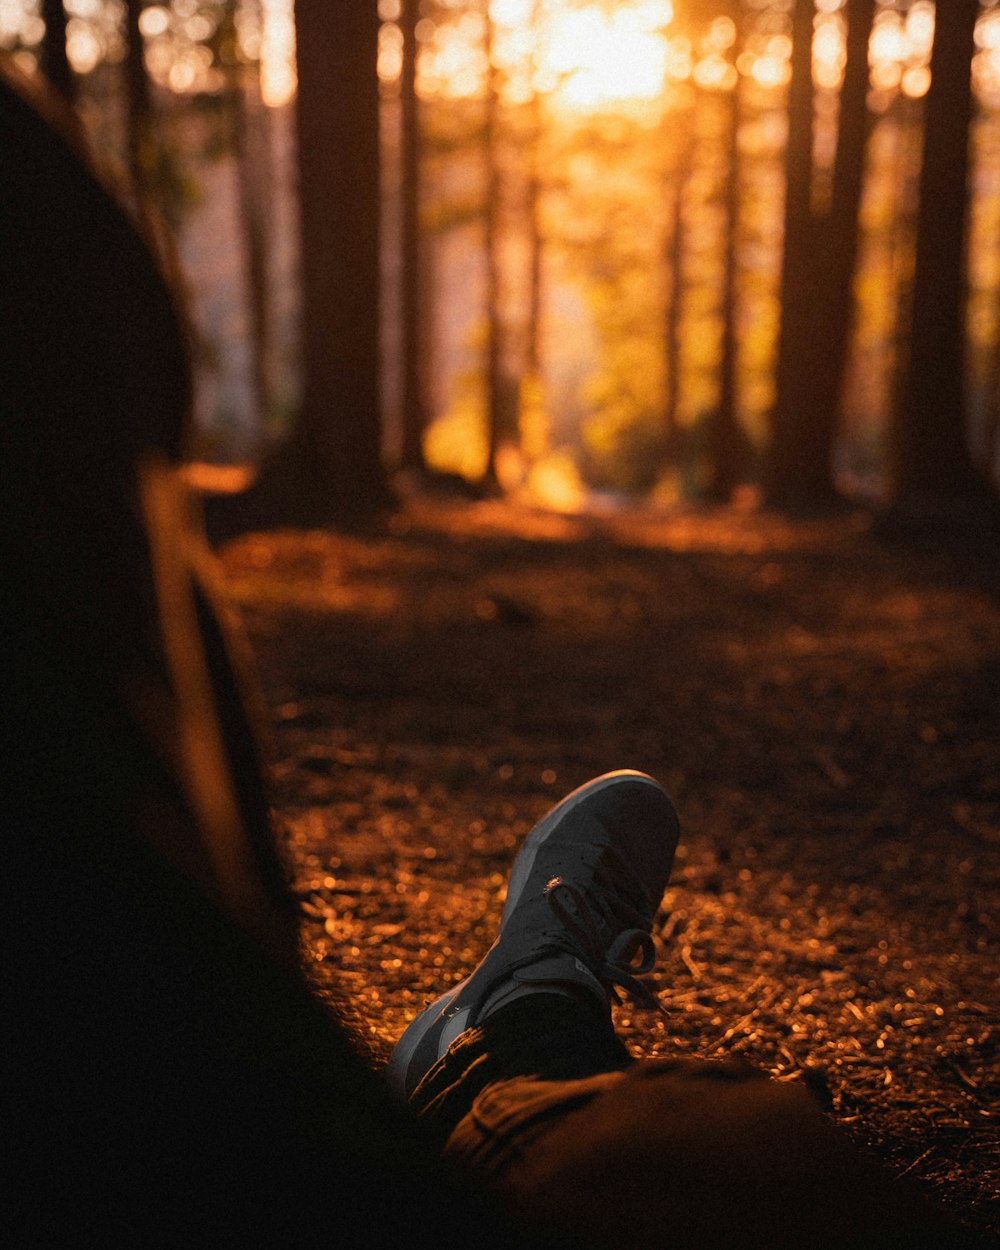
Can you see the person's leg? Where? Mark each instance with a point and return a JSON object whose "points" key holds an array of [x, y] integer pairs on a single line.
{"points": [[687, 1154], [540, 1100], [548, 1038]]}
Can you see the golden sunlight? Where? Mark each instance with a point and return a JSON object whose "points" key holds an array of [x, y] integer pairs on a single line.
{"points": [[592, 57], [277, 52], [584, 58], [589, 57]]}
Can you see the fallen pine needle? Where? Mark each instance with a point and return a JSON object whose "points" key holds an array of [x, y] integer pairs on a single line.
{"points": [[916, 1162]]}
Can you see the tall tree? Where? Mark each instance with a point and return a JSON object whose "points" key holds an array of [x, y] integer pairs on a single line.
{"points": [[841, 236], [54, 58], [796, 330], [533, 206], [679, 176], [820, 255], [930, 436], [533, 420], [412, 351], [724, 425], [338, 437], [330, 470], [249, 146], [498, 414]]}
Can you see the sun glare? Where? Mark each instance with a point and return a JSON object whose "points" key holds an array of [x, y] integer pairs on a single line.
{"points": [[593, 58], [277, 52], [583, 58]]}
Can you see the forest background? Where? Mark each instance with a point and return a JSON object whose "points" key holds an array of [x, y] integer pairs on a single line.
{"points": [[595, 250], [588, 255]]}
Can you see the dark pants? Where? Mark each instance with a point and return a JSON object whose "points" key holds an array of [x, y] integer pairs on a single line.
{"points": [[596, 1149]]}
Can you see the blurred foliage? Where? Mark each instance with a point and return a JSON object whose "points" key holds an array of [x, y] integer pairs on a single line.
{"points": [[456, 442]]}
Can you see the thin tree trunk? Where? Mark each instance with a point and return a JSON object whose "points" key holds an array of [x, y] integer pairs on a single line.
{"points": [[534, 201], [674, 257], [533, 349], [531, 417], [724, 431], [497, 433], [413, 346], [790, 458], [932, 458], [820, 257], [909, 152], [54, 59], [838, 247], [253, 225]]}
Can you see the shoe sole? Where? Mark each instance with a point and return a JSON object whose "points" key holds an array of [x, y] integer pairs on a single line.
{"points": [[406, 1047]]}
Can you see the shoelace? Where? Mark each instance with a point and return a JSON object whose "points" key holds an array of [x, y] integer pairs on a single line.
{"points": [[614, 964]]}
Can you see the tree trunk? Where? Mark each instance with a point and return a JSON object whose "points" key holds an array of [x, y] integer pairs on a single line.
{"points": [[498, 431], [724, 428], [54, 62], [838, 246], [532, 359], [413, 345], [674, 258], [338, 438], [932, 458], [818, 272], [790, 456], [252, 208]]}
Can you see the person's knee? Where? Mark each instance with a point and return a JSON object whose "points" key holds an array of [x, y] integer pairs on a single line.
{"points": [[698, 1154]]}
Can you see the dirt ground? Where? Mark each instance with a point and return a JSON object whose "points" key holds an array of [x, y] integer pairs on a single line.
{"points": [[824, 706]]}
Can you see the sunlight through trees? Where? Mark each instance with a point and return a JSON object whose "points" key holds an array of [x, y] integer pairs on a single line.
{"points": [[666, 248]]}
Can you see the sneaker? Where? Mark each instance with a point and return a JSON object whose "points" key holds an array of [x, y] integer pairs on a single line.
{"points": [[583, 892]]}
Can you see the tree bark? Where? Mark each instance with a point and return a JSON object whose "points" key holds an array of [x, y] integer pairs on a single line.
{"points": [[338, 438], [817, 299], [414, 389], [930, 437], [252, 222], [724, 427], [674, 257], [532, 360], [498, 431], [843, 232], [789, 454]]}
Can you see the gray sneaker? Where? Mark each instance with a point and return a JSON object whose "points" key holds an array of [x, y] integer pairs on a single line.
{"points": [[583, 892]]}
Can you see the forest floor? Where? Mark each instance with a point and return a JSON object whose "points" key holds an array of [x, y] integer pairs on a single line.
{"points": [[823, 705]]}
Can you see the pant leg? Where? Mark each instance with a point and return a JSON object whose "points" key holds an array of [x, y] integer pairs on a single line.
{"points": [[546, 1036], [661, 1153]]}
